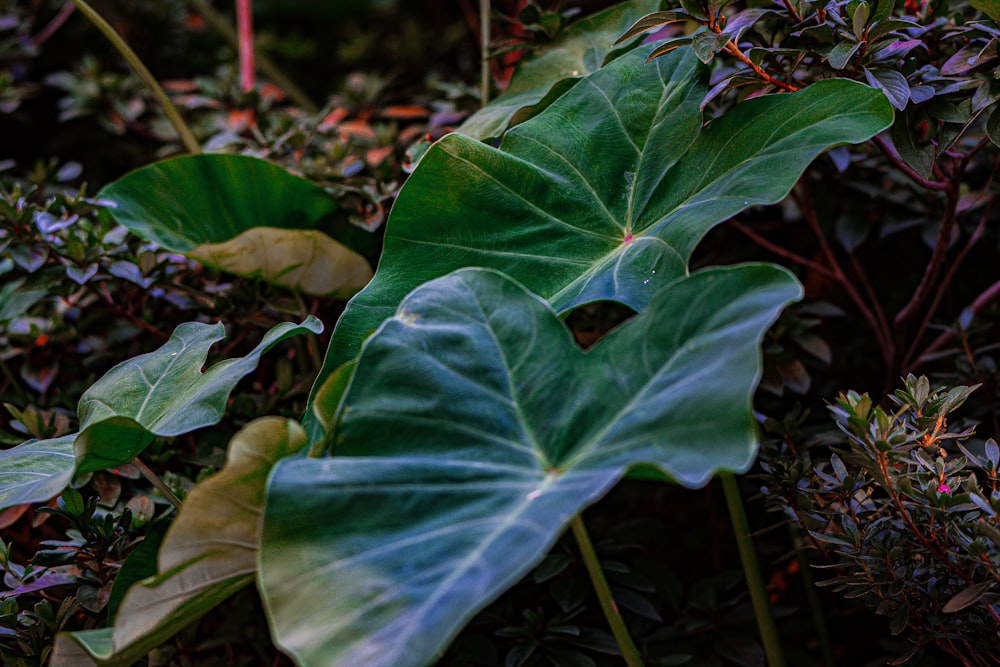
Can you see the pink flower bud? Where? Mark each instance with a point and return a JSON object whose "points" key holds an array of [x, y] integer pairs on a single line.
{"points": [[944, 489]]}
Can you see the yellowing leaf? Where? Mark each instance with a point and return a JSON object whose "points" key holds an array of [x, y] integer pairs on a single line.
{"points": [[307, 261]]}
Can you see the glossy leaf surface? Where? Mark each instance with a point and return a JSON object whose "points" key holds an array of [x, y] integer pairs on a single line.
{"points": [[207, 206], [604, 195], [36, 471], [544, 75], [209, 553], [474, 429], [165, 393]]}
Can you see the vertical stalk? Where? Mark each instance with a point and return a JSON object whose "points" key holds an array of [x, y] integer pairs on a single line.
{"points": [[484, 53], [267, 66], [751, 569], [174, 116], [244, 27], [154, 479], [618, 629]]}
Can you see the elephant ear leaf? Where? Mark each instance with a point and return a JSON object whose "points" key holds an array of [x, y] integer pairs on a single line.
{"points": [[474, 429], [165, 393], [605, 194], [246, 216]]}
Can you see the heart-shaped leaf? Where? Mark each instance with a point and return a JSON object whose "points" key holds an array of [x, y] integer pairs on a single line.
{"points": [[209, 553], [605, 194], [36, 471], [165, 393], [474, 429], [542, 77], [247, 216]]}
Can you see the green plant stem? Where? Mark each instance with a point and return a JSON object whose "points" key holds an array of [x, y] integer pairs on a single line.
{"points": [[751, 569], [154, 479], [484, 45], [618, 629], [171, 112], [264, 64]]}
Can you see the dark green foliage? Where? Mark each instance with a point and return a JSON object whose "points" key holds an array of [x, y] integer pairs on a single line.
{"points": [[903, 513]]}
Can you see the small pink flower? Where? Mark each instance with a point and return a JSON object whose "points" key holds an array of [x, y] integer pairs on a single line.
{"points": [[944, 489]]}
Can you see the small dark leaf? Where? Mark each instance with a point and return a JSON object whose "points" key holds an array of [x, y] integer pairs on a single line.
{"points": [[841, 54], [72, 501], [915, 152], [651, 21], [966, 598], [899, 620], [668, 46], [706, 43], [743, 20], [860, 19], [81, 276], [892, 83], [129, 271], [993, 126]]}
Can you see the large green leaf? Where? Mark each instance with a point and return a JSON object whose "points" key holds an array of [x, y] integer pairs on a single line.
{"points": [[165, 393], [546, 74], [209, 553], [247, 216], [604, 194], [474, 429], [36, 471]]}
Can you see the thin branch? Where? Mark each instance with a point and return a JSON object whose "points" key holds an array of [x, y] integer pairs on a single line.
{"points": [[791, 10], [987, 296], [734, 50], [169, 110], [936, 261], [781, 252], [945, 284], [866, 283], [890, 154], [154, 479], [882, 335], [53, 25]]}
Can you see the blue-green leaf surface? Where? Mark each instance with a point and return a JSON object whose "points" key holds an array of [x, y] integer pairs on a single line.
{"points": [[165, 393], [36, 471], [605, 194], [474, 429]]}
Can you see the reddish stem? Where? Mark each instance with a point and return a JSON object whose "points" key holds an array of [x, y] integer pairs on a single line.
{"points": [[882, 334], [244, 27], [781, 252], [890, 153], [53, 25], [943, 287]]}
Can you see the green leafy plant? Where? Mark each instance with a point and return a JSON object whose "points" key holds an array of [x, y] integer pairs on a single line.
{"points": [[456, 429], [903, 513]]}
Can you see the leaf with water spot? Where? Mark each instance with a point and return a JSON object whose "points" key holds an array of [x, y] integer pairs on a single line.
{"points": [[605, 194]]}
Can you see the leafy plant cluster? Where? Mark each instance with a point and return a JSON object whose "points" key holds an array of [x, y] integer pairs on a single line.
{"points": [[456, 428], [902, 512]]}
